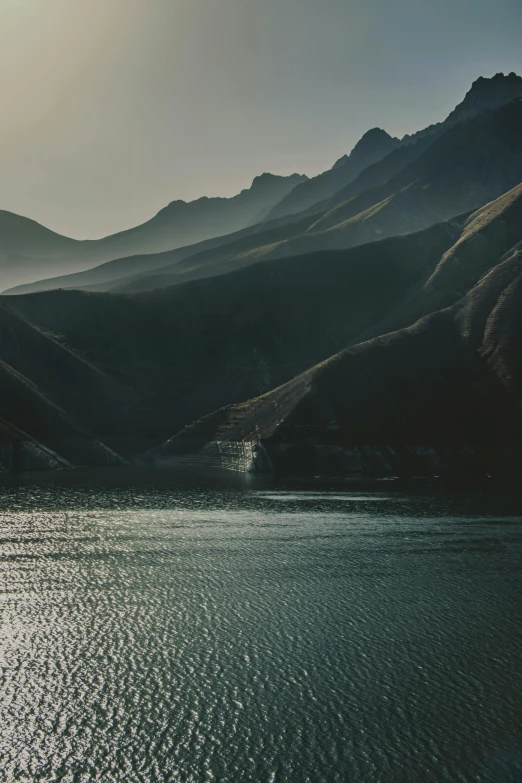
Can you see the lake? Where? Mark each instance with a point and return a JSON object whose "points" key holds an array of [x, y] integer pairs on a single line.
{"points": [[156, 628]]}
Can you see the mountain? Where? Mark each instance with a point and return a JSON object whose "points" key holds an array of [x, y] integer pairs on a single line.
{"points": [[376, 144], [30, 252], [104, 276], [487, 94], [370, 148], [464, 168], [143, 272], [378, 331], [113, 365], [442, 394], [27, 248], [373, 146], [271, 238], [91, 376]]}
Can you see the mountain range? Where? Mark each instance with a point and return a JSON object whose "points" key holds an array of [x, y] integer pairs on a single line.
{"points": [[440, 174], [29, 251], [374, 329]]}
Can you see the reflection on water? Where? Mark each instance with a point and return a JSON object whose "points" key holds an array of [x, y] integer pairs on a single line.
{"points": [[199, 630]]}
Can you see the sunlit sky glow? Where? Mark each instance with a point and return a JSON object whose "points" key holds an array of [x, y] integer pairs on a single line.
{"points": [[113, 108]]}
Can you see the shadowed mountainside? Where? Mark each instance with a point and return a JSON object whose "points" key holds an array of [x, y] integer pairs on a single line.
{"points": [[137, 368], [379, 331], [443, 393]]}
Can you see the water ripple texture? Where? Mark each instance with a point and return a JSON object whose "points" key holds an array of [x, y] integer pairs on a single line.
{"points": [[163, 634]]}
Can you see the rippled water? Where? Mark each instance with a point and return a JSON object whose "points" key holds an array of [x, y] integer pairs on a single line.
{"points": [[233, 633]]}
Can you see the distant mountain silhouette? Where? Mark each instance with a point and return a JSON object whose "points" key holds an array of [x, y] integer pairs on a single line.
{"points": [[416, 186], [376, 144], [464, 168], [296, 233], [29, 252]]}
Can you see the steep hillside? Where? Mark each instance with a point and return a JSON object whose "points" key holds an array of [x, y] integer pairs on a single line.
{"points": [[35, 427], [18, 451], [30, 252], [441, 394], [134, 369], [128, 371]]}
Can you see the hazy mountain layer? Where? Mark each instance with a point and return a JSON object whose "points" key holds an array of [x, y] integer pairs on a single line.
{"points": [[463, 169], [484, 94], [143, 272], [119, 270], [30, 252]]}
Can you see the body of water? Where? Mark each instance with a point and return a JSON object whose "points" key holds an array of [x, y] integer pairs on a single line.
{"points": [[154, 631]]}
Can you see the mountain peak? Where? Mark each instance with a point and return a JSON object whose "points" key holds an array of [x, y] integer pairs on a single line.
{"points": [[487, 93], [268, 180], [371, 143]]}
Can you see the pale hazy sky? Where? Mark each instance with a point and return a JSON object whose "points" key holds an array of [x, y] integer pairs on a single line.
{"points": [[112, 108]]}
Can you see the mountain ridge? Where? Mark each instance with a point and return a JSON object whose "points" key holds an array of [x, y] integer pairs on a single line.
{"points": [[372, 176], [26, 245]]}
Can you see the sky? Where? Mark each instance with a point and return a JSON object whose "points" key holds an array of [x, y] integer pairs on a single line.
{"points": [[110, 109]]}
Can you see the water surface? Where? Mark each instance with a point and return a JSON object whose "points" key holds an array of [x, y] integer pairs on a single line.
{"points": [[194, 631]]}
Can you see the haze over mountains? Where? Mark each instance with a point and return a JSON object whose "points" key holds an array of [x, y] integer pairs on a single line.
{"points": [[374, 328], [26, 248], [376, 201]]}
